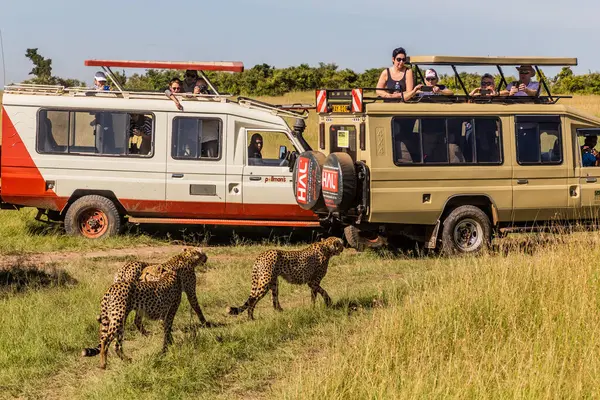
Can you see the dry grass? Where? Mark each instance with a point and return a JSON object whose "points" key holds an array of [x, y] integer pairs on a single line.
{"points": [[522, 322]]}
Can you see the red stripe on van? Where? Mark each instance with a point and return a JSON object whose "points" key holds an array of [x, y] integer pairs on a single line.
{"points": [[22, 182]]}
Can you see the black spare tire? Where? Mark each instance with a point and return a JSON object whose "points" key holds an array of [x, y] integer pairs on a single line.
{"points": [[338, 182], [307, 180]]}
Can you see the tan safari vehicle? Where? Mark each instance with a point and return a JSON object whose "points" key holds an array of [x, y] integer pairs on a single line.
{"points": [[450, 172]]}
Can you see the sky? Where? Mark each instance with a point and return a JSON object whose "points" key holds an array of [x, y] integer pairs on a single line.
{"points": [[355, 34]]}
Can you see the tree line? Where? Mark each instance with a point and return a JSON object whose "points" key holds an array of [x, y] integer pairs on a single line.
{"points": [[266, 80]]}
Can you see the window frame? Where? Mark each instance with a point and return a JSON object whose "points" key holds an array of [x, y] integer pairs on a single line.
{"points": [[422, 163], [71, 130], [560, 139], [220, 138]]}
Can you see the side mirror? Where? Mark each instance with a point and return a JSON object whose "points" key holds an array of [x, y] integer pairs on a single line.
{"points": [[282, 152]]}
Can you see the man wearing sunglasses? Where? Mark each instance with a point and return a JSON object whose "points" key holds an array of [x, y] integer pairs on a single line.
{"points": [[487, 88], [524, 86], [194, 84]]}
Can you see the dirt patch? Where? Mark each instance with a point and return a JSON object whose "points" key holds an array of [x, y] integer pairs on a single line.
{"points": [[144, 253]]}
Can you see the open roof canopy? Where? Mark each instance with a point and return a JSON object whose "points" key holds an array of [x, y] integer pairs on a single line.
{"points": [[490, 60], [200, 66]]}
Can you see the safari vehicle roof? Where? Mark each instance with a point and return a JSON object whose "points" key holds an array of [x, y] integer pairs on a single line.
{"points": [[491, 60]]}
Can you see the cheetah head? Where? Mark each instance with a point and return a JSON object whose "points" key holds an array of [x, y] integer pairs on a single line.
{"points": [[195, 256], [334, 245]]}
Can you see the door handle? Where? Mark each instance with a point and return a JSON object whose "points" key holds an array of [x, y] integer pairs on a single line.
{"points": [[591, 179], [522, 181], [177, 176], [255, 178]]}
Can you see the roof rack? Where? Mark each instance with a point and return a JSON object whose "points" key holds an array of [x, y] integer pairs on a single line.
{"points": [[282, 110], [34, 88], [51, 90]]}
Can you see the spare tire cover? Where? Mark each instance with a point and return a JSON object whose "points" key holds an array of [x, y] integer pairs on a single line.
{"points": [[307, 180], [338, 182]]}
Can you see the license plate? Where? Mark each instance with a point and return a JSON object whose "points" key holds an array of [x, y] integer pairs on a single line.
{"points": [[340, 108]]}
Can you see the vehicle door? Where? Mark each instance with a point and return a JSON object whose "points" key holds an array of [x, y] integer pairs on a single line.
{"points": [[342, 138], [196, 166], [588, 173], [267, 179], [541, 189]]}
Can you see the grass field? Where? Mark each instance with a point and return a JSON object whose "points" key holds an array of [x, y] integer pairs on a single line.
{"points": [[502, 325]]}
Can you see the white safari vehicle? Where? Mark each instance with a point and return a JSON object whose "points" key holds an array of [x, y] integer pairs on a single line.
{"points": [[72, 154]]}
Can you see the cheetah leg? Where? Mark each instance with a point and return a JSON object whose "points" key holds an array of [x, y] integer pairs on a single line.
{"points": [[168, 325], [190, 291], [275, 293], [119, 342], [105, 342], [316, 288], [138, 323], [255, 296]]}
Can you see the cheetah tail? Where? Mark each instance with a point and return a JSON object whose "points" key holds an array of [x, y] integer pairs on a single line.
{"points": [[238, 310], [90, 351]]}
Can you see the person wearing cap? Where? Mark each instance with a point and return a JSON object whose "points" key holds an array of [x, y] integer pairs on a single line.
{"points": [[397, 83], [524, 86], [431, 80], [487, 88], [100, 81]]}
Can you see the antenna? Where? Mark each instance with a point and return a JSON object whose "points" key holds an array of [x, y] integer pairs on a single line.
{"points": [[3, 66]]}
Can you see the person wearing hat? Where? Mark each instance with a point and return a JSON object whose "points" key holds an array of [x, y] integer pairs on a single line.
{"points": [[100, 82], [397, 83], [524, 86], [431, 80]]}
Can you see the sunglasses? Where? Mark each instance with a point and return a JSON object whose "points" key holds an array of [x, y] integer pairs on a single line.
{"points": [[176, 88], [487, 83], [400, 59], [191, 76], [523, 72], [430, 79]]}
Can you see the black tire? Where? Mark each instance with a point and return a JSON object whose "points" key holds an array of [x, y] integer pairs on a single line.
{"points": [[466, 230], [361, 242], [94, 217]]}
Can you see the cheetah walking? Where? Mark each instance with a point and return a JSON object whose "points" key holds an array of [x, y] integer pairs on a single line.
{"points": [[158, 299], [307, 266]]}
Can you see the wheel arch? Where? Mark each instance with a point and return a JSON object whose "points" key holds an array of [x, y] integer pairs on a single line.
{"points": [[482, 201], [79, 193]]}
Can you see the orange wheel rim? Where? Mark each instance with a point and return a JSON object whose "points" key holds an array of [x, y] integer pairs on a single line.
{"points": [[93, 223]]}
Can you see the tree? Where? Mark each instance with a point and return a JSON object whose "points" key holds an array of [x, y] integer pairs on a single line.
{"points": [[42, 71]]}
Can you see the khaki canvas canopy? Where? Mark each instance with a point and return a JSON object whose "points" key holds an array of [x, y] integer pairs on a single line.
{"points": [[492, 60]]}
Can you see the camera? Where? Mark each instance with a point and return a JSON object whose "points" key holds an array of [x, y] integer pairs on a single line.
{"points": [[426, 89], [485, 92]]}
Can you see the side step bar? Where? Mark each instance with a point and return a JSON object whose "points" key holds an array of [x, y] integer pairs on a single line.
{"points": [[550, 228], [235, 222]]}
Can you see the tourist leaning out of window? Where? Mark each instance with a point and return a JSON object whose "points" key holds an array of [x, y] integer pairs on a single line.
{"points": [[398, 80]]}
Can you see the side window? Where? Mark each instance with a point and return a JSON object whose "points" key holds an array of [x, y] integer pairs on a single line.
{"points": [[268, 148], [94, 132], [455, 141], [587, 140], [539, 140], [196, 138]]}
